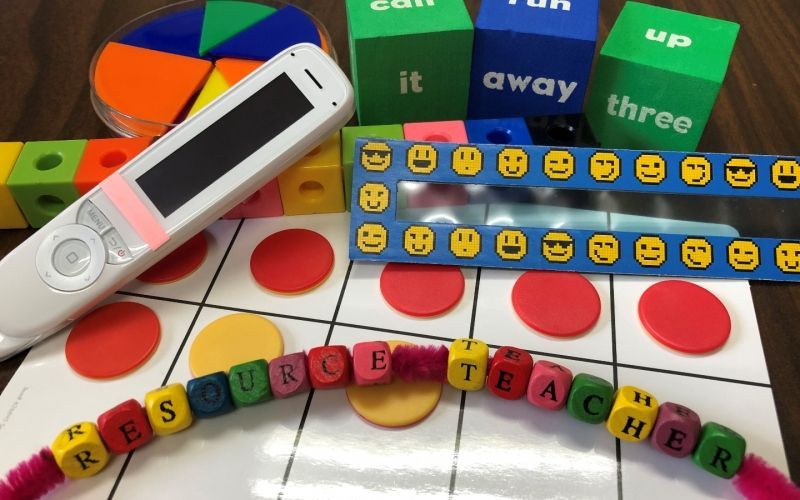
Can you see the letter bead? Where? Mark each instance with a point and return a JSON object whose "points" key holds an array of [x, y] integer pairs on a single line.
{"points": [[719, 450], [249, 383], [79, 451], [209, 395], [549, 385], [329, 367], [509, 372], [590, 398], [372, 363], [467, 363], [125, 427], [288, 375], [633, 415], [676, 430], [168, 409]]}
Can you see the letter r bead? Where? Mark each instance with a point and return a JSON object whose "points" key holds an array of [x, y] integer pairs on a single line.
{"points": [[79, 451], [467, 363]]}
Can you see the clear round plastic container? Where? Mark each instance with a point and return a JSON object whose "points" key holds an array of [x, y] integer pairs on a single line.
{"points": [[127, 125]]}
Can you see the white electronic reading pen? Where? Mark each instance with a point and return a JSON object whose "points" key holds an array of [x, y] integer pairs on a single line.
{"points": [[174, 189]]}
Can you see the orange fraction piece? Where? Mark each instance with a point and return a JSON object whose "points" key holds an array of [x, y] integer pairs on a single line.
{"points": [[234, 70], [148, 84]]}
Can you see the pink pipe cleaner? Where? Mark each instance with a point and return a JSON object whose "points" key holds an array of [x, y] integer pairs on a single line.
{"points": [[417, 363], [758, 480], [32, 478]]}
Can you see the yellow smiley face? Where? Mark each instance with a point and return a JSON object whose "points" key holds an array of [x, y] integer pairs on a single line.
{"points": [[603, 249], [558, 164], [371, 238], [373, 197], [512, 162], [511, 244], [650, 168], [696, 253], [787, 256], [465, 242], [604, 166], [650, 251], [786, 174], [557, 246], [741, 173], [376, 156], [743, 255], [467, 160], [421, 158], [419, 240], [696, 170]]}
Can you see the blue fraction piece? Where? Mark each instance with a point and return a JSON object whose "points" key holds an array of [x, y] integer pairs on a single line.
{"points": [[284, 28], [498, 131], [176, 33]]}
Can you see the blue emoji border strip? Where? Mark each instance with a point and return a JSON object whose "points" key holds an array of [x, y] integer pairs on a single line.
{"points": [[377, 235]]}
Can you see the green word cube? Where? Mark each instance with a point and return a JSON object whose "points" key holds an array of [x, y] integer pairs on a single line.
{"points": [[410, 59], [657, 77]]}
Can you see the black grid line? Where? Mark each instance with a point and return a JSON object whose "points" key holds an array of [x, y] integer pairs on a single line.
{"points": [[182, 345], [303, 418], [614, 365], [456, 448]]}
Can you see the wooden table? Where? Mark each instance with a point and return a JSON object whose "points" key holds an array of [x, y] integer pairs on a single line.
{"points": [[46, 47]]}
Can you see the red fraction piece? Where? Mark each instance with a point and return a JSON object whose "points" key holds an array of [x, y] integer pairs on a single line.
{"points": [[422, 290], [125, 427], [556, 303], [685, 317], [329, 367], [509, 373], [292, 261], [372, 363], [113, 340], [549, 385], [182, 262]]}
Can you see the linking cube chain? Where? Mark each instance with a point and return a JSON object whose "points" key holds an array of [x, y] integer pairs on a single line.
{"points": [[628, 413]]}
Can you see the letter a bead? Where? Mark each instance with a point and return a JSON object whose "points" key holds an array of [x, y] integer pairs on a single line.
{"points": [[719, 450], [549, 385], [125, 427], [168, 409], [509, 373], [633, 415], [79, 451], [372, 363], [467, 363]]}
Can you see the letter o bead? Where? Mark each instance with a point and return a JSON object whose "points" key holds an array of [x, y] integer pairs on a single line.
{"points": [[168, 409], [79, 451]]}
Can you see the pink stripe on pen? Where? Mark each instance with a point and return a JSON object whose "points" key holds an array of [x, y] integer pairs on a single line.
{"points": [[136, 213]]}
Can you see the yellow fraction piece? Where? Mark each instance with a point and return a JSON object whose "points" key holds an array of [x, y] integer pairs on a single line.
{"points": [[398, 404], [79, 451], [215, 86], [10, 215], [232, 340]]}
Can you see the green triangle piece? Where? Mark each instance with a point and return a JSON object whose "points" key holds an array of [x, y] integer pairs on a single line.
{"points": [[224, 19]]}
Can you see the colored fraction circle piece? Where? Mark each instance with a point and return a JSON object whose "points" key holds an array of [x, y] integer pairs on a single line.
{"points": [[113, 340], [560, 304], [182, 262], [232, 340], [685, 317], [422, 290], [292, 261], [397, 404]]}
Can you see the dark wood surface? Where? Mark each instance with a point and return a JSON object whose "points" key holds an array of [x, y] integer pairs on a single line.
{"points": [[46, 47]]}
